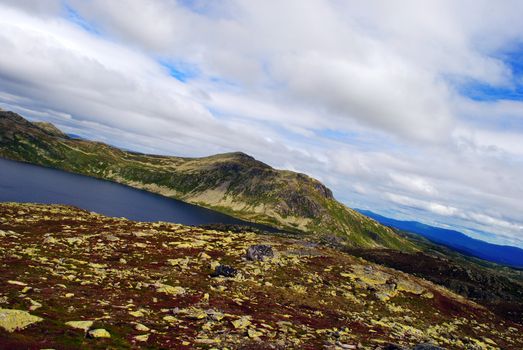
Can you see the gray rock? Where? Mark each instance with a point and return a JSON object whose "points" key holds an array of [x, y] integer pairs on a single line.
{"points": [[259, 252], [224, 271]]}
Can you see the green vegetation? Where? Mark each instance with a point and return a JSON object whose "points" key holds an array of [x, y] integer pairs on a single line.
{"points": [[498, 288], [83, 280], [233, 183]]}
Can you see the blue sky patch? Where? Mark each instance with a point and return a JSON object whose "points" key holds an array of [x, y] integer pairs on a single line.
{"points": [[485, 92], [182, 71], [478, 91], [73, 16]]}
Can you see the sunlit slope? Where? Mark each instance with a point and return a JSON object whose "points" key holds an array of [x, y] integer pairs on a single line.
{"points": [[233, 183]]}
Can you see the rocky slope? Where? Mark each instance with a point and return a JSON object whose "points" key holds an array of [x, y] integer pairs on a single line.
{"points": [[234, 183], [499, 290], [72, 279]]}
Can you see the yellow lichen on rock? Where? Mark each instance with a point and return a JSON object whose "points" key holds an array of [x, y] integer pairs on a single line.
{"points": [[165, 288], [195, 313], [12, 320], [99, 333], [142, 338], [83, 325], [142, 328], [241, 323]]}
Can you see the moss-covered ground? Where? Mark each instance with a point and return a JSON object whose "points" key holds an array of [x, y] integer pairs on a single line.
{"points": [[149, 286]]}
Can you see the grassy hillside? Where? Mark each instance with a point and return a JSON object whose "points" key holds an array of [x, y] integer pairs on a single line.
{"points": [[233, 183], [68, 277]]}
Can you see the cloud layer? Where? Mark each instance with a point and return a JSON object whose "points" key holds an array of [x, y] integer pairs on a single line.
{"points": [[410, 109]]}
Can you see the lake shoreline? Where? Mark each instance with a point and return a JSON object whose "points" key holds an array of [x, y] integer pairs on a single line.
{"points": [[17, 179]]}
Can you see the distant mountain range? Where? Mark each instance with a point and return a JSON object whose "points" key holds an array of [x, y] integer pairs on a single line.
{"points": [[506, 255]]}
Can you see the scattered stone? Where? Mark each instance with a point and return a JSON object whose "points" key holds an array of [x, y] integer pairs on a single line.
{"points": [[12, 320], [297, 285], [142, 338], [170, 319], [50, 240], [74, 240], [99, 333], [34, 304], [253, 333], [195, 313], [136, 313], [83, 325], [215, 315], [259, 252], [207, 341], [141, 328], [17, 283], [112, 238], [224, 271], [427, 346], [165, 288], [242, 323], [140, 234], [205, 256]]}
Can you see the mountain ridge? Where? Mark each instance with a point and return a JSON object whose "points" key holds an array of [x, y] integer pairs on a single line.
{"points": [[502, 254], [233, 183]]}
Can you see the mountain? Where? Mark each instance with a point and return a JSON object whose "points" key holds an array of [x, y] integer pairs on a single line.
{"points": [[233, 183], [71, 279], [506, 255]]}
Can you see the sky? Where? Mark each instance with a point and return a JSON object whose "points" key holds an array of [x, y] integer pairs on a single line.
{"points": [[412, 109]]}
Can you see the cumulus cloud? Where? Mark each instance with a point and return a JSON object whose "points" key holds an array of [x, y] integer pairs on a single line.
{"points": [[436, 208], [377, 99], [413, 183]]}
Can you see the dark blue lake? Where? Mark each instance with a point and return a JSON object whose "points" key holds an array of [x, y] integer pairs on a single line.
{"points": [[20, 182]]}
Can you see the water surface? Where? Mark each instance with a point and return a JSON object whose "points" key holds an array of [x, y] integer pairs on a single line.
{"points": [[21, 182]]}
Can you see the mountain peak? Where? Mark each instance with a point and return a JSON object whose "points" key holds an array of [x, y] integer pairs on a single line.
{"points": [[50, 128], [234, 183]]}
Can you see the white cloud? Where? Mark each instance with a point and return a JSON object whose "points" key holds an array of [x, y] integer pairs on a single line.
{"points": [[343, 90], [413, 183], [433, 207]]}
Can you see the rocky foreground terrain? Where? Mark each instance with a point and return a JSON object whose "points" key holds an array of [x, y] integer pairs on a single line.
{"points": [[72, 279]]}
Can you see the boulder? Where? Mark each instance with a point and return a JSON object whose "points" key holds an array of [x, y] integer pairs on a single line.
{"points": [[142, 328], [143, 337], [99, 333], [259, 252], [83, 325], [12, 320], [224, 271], [165, 288]]}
